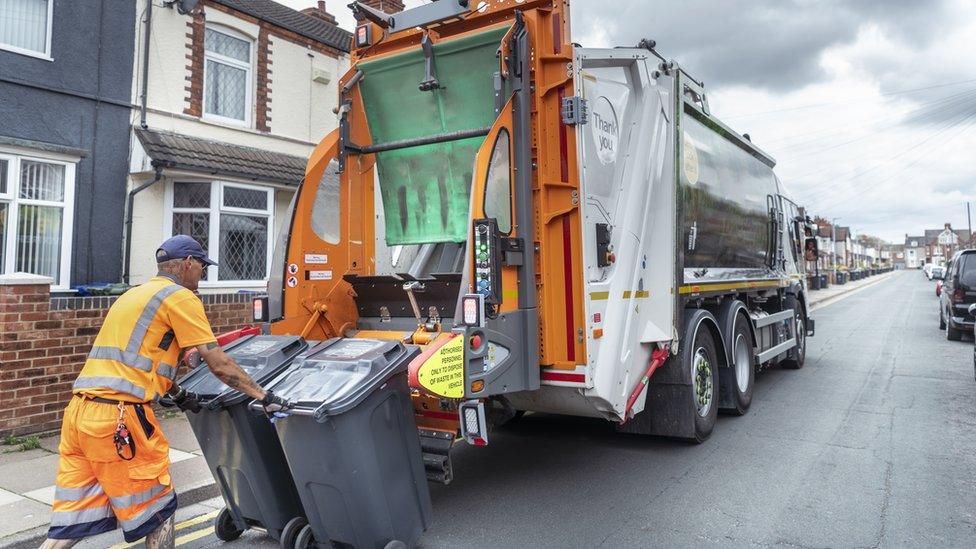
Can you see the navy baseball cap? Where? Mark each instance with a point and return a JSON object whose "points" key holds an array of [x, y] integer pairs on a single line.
{"points": [[182, 246]]}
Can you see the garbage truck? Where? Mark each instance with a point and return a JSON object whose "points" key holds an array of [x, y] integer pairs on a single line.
{"points": [[554, 228]]}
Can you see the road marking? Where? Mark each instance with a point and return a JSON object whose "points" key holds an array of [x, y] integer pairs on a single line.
{"points": [[197, 520], [180, 526], [187, 538]]}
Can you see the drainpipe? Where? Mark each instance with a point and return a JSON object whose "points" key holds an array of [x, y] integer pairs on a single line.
{"points": [[145, 70], [128, 219]]}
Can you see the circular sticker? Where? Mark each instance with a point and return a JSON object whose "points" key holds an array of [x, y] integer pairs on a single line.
{"points": [[605, 130], [292, 282], [292, 268], [690, 161]]}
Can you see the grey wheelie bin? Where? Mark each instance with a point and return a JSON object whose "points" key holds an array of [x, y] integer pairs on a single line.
{"points": [[352, 444], [241, 447]]}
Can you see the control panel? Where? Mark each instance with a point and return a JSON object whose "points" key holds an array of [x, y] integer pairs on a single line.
{"points": [[487, 260]]}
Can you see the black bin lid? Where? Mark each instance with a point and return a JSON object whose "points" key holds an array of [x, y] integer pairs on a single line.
{"points": [[261, 356], [336, 375]]}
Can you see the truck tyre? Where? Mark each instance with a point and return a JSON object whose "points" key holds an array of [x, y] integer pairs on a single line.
{"points": [[702, 360], [739, 378], [942, 324], [796, 357]]}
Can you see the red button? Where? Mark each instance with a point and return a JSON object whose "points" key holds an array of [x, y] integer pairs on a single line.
{"points": [[475, 342]]}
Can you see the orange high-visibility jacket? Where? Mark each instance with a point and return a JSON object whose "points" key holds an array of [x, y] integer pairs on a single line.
{"points": [[135, 354]]}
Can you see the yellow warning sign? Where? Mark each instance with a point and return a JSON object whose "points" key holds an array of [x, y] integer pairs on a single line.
{"points": [[443, 373]]}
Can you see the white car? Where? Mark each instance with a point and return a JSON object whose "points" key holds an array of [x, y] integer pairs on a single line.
{"points": [[927, 270], [936, 273]]}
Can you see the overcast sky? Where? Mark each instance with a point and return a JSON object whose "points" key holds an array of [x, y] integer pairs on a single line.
{"points": [[868, 106]]}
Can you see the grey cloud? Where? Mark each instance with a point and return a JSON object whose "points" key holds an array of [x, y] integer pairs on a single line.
{"points": [[771, 44]]}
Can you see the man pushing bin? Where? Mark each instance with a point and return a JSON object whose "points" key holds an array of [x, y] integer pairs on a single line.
{"points": [[114, 459]]}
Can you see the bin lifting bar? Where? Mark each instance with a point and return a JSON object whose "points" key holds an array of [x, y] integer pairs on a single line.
{"points": [[317, 311], [658, 357]]}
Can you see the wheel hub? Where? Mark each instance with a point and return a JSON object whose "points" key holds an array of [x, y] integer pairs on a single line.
{"points": [[701, 370], [743, 362]]}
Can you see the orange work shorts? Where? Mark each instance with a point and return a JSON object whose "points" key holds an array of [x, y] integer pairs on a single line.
{"points": [[96, 489]]}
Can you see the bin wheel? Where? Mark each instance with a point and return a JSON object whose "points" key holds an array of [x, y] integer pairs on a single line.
{"points": [[305, 539], [289, 534], [224, 526], [395, 544]]}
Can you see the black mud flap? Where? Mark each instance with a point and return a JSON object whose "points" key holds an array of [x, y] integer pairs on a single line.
{"points": [[811, 327]]}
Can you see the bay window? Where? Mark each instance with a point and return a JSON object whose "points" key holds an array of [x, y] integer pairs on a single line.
{"points": [[36, 198], [232, 221]]}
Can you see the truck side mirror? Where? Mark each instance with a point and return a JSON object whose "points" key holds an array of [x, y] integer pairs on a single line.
{"points": [[810, 250]]}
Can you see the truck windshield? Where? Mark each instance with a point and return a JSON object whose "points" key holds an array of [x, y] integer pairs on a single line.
{"points": [[426, 190]]}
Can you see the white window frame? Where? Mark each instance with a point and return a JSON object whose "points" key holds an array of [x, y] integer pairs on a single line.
{"points": [[238, 64], [12, 197], [216, 208], [46, 54]]}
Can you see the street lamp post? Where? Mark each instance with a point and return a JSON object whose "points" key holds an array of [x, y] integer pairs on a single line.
{"points": [[833, 245]]}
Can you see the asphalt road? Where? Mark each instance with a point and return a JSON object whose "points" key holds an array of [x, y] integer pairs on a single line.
{"points": [[870, 445]]}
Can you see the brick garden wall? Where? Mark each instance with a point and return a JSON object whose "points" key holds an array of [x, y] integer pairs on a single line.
{"points": [[44, 342]]}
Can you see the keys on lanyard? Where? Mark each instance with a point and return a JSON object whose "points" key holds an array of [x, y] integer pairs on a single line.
{"points": [[123, 438]]}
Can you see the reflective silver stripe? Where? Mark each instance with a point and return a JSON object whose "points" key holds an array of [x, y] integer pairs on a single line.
{"points": [[167, 370], [155, 507], [70, 518], [130, 356], [115, 383], [147, 316], [77, 494], [135, 499], [125, 357]]}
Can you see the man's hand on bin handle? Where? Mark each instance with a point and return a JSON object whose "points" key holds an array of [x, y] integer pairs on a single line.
{"points": [[273, 403], [186, 400]]}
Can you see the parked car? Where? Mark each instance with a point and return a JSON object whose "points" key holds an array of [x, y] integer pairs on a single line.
{"points": [[927, 270], [936, 273], [938, 288], [972, 313], [958, 293]]}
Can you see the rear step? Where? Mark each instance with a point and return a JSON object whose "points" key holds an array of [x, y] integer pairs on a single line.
{"points": [[436, 448]]}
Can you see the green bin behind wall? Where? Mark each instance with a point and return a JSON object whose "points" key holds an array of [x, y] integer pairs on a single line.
{"points": [[426, 190]]}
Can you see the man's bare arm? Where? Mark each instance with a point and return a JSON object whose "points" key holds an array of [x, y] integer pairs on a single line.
{"points": [[228, 371]]}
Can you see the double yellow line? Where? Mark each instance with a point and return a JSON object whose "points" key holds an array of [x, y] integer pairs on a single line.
{"points": [[185, 538]]}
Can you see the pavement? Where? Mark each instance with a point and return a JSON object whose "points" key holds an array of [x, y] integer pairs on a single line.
{"points": [[27, 481], [26, 478]]}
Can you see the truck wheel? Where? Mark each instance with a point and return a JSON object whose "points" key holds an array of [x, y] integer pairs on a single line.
{"points": [[703, 363], [289, 534], [739, 378], [942, 324], [224, 526], [796, 357]]}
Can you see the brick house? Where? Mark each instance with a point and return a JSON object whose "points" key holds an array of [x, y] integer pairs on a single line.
{"points": [[239, 93], [914, 252], [940, 244]]}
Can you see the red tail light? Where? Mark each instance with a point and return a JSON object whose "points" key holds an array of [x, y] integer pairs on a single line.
{"points": [[957, 296]]}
